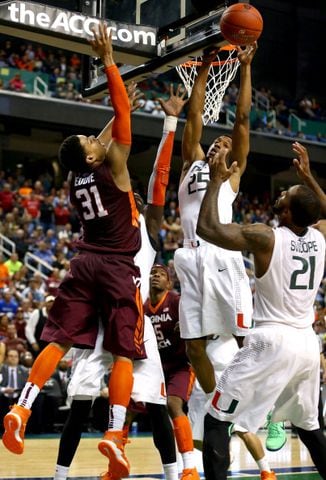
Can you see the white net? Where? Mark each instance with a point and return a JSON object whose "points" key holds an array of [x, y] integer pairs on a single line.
{"points": [[221, 72]]}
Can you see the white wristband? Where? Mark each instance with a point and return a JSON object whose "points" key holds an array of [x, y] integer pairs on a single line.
{"points": [[170, 123]]}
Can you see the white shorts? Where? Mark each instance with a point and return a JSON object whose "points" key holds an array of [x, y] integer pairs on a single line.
{"points": [[216, 298], [278, 366], [91, 365], [220, 352]]}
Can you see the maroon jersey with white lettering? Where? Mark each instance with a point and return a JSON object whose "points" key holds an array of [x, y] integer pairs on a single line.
{"points": [[109, 216], [165, 317]]}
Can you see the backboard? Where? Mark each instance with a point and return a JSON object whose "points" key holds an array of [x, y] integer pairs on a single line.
{"points": [[148, 35], [183, 28]]}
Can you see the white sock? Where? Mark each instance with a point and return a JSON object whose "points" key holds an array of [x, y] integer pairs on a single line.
{"points": [[117, 417], [61, 472], [188, 459], [28, 395], [170, 471], [263, 465]]}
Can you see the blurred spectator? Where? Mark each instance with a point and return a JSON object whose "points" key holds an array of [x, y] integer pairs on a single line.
{"points": [[4, 273], [17, 84], [8, 303], [4, 322], [13, 341], [20, 323], [53, 282], [12, 380], [7, 198], [35, 326], [13, 264], [61, 214], [47, 213], [2, 352], [34, 292]]}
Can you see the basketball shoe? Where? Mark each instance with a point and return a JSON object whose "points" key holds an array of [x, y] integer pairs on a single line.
{"points": [[15, 424], [112, 446], [267, 475], [276, 436], [189, 474]]}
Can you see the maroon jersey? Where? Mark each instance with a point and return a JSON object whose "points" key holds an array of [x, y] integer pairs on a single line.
{"points": [[108, 215], [164, 317]]}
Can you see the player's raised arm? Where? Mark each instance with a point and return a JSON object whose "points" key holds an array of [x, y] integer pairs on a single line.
{"points": [[302, 165], [160, 176], [191, 148], [119, 148], [241, 128]]}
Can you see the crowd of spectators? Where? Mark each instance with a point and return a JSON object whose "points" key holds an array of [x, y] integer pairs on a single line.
{"points": [[269, 113]]}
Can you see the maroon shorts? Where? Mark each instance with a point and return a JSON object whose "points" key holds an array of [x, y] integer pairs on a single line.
{"points": [[99, 286], [179, 382]]}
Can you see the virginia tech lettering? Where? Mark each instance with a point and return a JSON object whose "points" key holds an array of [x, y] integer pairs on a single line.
{"points": [[73, 23]]}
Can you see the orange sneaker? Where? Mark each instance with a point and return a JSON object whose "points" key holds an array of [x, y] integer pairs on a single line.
{"points": [[112, 446], [15, 424], [267, 475], [189, 474]]}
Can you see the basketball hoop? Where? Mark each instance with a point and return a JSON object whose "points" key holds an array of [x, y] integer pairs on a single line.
{"points": [[221, 72]]}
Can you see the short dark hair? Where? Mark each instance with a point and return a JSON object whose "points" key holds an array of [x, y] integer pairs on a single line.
{"points": [[304, 206], [72, 155]]}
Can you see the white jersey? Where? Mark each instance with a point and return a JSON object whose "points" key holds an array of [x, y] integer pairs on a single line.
{"points": [[287, 291], [191, 193]]}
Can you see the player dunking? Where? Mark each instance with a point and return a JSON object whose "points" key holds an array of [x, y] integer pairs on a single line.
{"points": [[215, 293], [103, 276], [163, 309], [279, 364]]}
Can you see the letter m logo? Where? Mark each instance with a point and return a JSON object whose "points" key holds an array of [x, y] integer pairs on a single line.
{"points": [[231, 408]]}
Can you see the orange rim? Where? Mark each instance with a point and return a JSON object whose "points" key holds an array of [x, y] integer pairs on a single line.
{"points": [[198, 63]]}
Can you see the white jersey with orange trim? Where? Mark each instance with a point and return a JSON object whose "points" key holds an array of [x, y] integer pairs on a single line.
{"points": [[287, 291], [216, 297]]}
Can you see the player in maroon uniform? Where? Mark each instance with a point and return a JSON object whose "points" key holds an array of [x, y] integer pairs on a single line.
{"points": [[162, 307], [102, 277]]}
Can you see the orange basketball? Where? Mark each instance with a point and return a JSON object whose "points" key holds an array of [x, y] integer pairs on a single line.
{"points": [[241, 24]]}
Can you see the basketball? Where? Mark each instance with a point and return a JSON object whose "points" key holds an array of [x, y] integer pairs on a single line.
{"points": [[241, 24]]}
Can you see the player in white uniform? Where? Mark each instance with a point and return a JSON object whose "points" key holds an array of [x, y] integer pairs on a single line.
{"points": [[215, 292], [90, 367], [279, 363]]}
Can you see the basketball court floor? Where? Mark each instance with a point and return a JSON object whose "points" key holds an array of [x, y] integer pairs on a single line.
{"points": [[38, 461]]}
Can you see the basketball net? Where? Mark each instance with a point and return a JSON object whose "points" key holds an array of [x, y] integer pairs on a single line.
{"points": [[221, 72]]}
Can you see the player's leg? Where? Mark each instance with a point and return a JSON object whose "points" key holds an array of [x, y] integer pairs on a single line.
{"points": [[123, 337], [179, 383], [163, 438], [216, 456], [15, 421], [255, 447], [315, 442], [196, 352], [70, 437]]}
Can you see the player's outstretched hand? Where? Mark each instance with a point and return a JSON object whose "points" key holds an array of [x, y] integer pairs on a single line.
{"points": [[102, 44], [175, 103], [245, 55], [134, 95], [301, 163], [218, 169]]}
